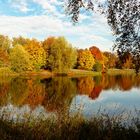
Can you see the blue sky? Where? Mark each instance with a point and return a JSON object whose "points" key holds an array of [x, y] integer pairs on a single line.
{"points": [[43, 18]]}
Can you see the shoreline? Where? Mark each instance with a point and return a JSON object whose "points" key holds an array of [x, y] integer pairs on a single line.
{"points": [[71, 73]]}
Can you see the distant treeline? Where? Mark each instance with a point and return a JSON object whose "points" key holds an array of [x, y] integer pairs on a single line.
{"points": [[56, 54]]}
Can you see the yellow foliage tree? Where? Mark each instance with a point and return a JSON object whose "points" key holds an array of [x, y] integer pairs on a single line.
{"points": [[36, 52], [85, 60]]}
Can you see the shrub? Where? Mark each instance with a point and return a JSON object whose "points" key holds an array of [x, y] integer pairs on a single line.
{"points": [[98, 67]]}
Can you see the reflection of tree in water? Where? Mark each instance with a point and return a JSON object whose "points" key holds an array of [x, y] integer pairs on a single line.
{"points": [[36, 93], [4, 89], [93, 86], [110, 82], [90, 86], [59, 93], [18, 90], [97, 88], [122, 82], [85, 85], [26, 91], [137, 84], [126, 82], [96, 92]]}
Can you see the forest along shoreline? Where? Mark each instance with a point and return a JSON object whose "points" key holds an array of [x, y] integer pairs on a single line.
{"points": [[55, 56]]}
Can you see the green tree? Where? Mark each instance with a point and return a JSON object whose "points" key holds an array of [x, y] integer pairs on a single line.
{"points": [[98, 67], [20, 59], [61, 55], [85, 60]]}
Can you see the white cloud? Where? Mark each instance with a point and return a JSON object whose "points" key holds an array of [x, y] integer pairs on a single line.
{"points": [[49, 7], [21, 5], [82, 35]]}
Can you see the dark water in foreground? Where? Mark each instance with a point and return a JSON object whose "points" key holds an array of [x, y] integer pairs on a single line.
{"points": [[113, 94]]}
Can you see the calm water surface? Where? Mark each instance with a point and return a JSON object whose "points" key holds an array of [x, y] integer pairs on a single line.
{"points": [[112, 94]]}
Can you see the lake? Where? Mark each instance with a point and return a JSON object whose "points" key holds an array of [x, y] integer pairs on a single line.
{"points": [[51, 96]]}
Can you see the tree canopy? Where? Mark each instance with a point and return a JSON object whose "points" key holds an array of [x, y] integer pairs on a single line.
{"points": [[61, 56], [124, 19]]}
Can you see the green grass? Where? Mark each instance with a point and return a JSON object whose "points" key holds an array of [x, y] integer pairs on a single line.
{"points": [[77, 72], [121, 71], [74, 127]]}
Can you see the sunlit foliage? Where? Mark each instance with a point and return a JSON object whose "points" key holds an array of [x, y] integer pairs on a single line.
{"points": [[36, 53], [4, 50], [61, 55], [85, 60], [20, 59], [4, 58], [20, 41], [5, 43], [112, 59]]}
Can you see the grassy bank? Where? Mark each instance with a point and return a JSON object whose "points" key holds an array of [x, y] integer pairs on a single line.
{"points": [[72, 73], [70, 128], [5, 72], [121, 71]]}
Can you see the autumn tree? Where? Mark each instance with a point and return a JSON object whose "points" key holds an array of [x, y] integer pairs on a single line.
{"points": [[4, 50], [97, 54], [4, 58], [112, 59], [124, 19], [36, 53], [85, 60], [20, 59], [100, 59], [125, 61], [61, 55], [47, 44], [122, 16], [128, 63], [20, 41], [5, 43]]}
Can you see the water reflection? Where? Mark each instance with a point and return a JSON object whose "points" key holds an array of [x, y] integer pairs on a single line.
{"points": [[59, 93]]}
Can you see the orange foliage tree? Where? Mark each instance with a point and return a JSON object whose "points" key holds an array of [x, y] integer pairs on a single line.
{"points": [[4, 58], [98, 56], [4, 50]]}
